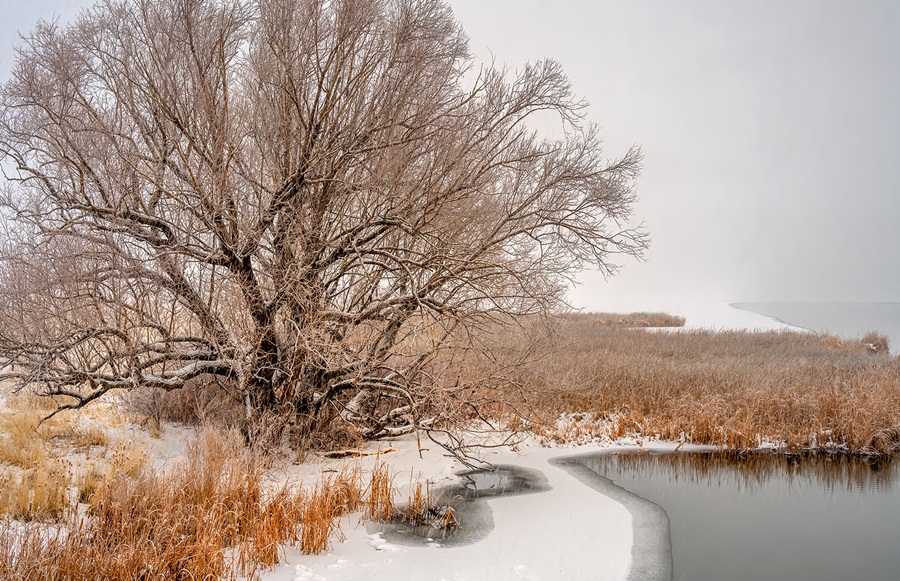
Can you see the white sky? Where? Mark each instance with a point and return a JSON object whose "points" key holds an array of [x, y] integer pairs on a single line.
{"points": [[770, 130], [771, 134]]}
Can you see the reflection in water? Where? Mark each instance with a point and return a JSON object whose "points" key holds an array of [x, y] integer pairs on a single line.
{"points": [[770, 516], [749, 470]]}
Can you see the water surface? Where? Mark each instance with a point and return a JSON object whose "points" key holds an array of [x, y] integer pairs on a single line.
{"points": [[769, 516]]}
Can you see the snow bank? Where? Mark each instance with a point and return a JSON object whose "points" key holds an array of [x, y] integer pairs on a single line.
{"points": [[700, 314], [579, 529], [568, 532]]}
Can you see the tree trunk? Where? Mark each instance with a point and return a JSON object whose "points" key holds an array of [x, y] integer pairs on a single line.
{"points": [[264, 383]]}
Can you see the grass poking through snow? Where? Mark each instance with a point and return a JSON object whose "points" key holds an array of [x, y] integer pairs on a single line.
{"points": [[732, 389], [214, 515]]}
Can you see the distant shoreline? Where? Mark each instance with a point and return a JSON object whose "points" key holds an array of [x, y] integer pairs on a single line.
{"points": [[746, 308], [848, 320]]}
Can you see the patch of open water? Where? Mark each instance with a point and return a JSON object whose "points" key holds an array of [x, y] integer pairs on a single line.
{"points": [[467, 498], [765, 516]]}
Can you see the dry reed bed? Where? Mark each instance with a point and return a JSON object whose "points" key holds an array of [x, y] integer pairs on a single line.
{"points": [[36, 468], [215, 515], [633, 320], [731, 389]]}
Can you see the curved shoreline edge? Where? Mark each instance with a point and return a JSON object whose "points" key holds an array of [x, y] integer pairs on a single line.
{"points": [[476, 511], [790, 326], [651, 549]]}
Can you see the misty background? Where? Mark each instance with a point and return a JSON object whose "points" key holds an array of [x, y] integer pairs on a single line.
{"points": [[770, 131]]}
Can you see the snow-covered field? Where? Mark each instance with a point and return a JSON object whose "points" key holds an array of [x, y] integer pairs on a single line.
{"points": [[698, 314], [568, 532]]}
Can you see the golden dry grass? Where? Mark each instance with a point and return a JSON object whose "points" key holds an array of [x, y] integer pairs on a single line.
{"points": [[214, 515], [627, 320], [21, 444], [38, 493], [331, 499], [731, 389], [37, 477], [420, 499], [380, 494], [421, 504], [26, 440]]}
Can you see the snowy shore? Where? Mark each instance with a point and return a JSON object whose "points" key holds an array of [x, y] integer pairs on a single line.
{"points": [[571, 531], [582, 528]]}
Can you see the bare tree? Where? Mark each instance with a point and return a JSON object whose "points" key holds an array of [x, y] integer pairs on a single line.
{"points": [[308, 201]]}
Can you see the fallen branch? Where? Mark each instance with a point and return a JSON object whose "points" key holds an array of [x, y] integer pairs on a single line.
{"points": [[356, 453]]}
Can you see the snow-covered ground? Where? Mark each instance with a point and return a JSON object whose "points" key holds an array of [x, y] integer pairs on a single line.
{"points": [[568, 532], [722, 316], [575, 530], [572, 531], [700, 314]]}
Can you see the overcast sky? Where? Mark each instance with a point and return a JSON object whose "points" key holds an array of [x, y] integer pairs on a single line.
{"points": [[770, 130], [771, 135]]}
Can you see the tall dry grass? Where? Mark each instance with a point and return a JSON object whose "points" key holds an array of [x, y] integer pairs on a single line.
{"points": [[331, 499], [380, 494], [628, 320], [42, 492], [36, 473], [731, 389], [215, 515]]}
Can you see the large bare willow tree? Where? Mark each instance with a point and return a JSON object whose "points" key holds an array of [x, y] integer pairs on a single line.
{"points": [[307, 201]]}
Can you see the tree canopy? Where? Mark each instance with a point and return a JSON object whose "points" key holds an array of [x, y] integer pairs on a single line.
{"points": [[305, 201]]}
